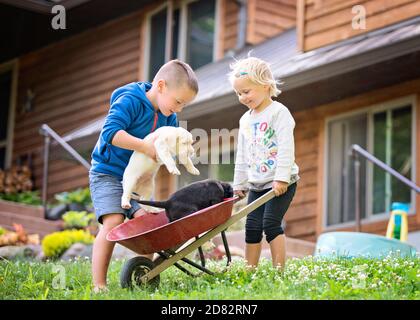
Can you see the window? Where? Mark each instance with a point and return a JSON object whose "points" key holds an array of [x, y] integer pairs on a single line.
{"points": [[387, 134], [191, 36], [392, 145], [221, 171], [5, 90], [157, 42], [200, 33], [342, 134]]}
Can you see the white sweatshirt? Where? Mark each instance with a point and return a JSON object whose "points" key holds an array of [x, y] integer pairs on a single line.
{"points": [[266, 149]]}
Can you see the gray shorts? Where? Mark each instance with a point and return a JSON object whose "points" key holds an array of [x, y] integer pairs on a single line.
{"points": [[106, 191]]}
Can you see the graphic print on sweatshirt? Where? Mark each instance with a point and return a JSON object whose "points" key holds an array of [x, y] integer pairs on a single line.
{"points": [[263, 147]]}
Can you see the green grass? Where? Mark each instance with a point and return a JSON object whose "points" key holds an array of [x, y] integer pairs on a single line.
{"points": [[308, 278]]}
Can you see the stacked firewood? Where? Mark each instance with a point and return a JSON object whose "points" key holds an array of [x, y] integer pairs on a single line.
{"points": [[17, 237], [16, 179]]}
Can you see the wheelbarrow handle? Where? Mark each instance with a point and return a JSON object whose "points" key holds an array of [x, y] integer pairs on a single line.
{"points": [[135, 196], [251, 207]]}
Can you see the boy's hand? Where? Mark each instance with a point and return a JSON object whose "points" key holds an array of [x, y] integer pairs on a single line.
{"points": [[279, 187], [239, 193], [149, 149]]}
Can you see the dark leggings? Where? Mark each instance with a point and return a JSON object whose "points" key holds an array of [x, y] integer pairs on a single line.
{"points": [[267, 217]]}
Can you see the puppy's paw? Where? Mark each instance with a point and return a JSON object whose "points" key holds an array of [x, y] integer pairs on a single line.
{"points": [[194, 171], [125, 204], [174, 170]]}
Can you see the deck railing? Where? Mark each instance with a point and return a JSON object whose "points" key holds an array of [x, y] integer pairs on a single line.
{"points": [[355, 152], [49, 133]]}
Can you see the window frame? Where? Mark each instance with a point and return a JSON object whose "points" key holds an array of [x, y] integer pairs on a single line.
{"points": [[222, 148], [10, 66], [370, 111], [182, 32]]}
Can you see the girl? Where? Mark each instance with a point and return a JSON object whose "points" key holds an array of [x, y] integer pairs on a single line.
{"points": [[265, 157]]}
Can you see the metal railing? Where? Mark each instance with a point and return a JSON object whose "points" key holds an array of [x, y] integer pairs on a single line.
{"points": [[357, 150], [49, 133]]}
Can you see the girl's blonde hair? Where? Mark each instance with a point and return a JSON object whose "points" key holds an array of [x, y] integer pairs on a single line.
{"points": [[257, 70]]}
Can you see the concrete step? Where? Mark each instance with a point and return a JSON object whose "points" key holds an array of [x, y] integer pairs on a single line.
{"points": [[21, 209], [289, 254], [294, 247], [300, 247]]}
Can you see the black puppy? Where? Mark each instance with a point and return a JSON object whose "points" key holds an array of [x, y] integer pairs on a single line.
{"points": [[192, 198]]}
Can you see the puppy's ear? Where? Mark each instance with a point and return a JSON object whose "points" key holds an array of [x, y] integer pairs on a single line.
{"points": [[162, 145]]}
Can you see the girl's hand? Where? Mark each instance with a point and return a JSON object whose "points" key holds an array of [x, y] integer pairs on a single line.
{"points": [[239, 193], [279, 187]]}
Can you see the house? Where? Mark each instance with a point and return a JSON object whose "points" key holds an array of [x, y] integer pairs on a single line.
{"points": [[349, 70]]}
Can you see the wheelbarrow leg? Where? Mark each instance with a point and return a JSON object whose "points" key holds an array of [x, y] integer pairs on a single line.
{"points": [[164, 255], [192, 263], [226, 244], [200, 251]]}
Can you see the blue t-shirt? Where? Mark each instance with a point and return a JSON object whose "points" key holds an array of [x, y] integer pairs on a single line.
{"points": [[132, 112]]}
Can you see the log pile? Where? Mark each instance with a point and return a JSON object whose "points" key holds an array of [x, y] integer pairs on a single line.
{"points": [[17, 237], [16, 179]]}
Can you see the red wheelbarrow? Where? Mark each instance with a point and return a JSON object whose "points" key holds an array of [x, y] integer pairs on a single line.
{"points": [[173, 241]]}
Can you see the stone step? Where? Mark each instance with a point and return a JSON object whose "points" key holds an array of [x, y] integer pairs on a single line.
{"points": [[289, 254], [22, 209], [300, 247], [294, 247]]}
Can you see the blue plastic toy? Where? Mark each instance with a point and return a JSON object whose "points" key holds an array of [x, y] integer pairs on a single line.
{"points": [[359, 244]]}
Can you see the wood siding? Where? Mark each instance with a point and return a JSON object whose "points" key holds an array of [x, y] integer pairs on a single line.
{"points": [[72, 81], [265, 19], [305, 218], [322, 22], [301, 217], [229, 25], [268, 18]]}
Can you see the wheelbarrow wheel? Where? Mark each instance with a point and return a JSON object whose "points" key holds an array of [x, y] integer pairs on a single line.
{"points": [[134, 269]]}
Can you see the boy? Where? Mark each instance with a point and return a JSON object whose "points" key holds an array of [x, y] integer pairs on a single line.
{"points": [[137, 109]]}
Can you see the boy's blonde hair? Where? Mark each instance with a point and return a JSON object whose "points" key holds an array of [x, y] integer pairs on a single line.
{"points": [[177, 73], [257, 70]]}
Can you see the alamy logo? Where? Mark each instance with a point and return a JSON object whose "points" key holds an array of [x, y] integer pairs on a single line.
{"points": [[359, 20], [59, 280], [59, 20]]}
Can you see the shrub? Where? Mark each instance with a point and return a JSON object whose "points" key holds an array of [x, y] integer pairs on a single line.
{"points": [[54, 244], [27, 197], [80, 196], [77, 219]]}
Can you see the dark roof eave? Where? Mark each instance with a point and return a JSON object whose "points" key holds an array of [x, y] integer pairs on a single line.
{"points": [[44, 6], [215, 104], [336, 68], [313, 75]]}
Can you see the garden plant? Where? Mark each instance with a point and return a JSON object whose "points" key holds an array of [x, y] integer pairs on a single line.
{"points": [[393, 277]]}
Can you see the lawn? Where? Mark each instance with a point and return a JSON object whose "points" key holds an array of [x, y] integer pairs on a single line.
{"points": [[307, 278]]}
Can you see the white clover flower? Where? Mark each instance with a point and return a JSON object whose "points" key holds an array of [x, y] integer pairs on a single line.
{"points": [[362, 276]]}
